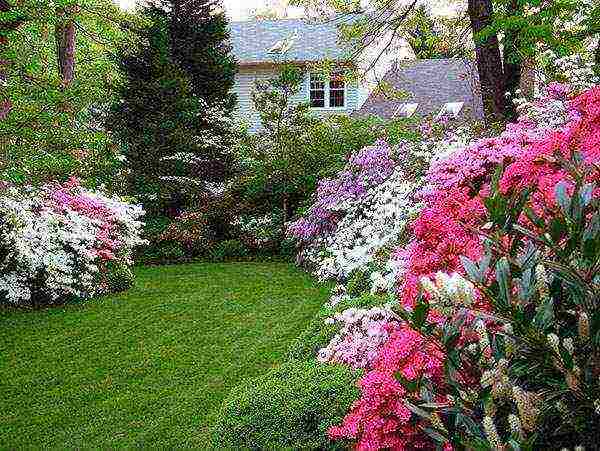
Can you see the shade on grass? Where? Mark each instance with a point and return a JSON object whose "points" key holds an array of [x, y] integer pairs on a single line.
{"points": [[149, 367]]}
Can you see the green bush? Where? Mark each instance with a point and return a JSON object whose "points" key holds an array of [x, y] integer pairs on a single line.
{"points": [[165, 251], [318, 333], [119, 277], [229, 249], [290, 407], [359, 282]]}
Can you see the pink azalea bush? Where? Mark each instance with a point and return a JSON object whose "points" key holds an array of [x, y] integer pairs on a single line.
{"points": [[363, 333], [57, 242], [456, 192]]}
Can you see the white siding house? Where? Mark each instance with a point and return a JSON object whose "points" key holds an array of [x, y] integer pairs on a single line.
{"points": [[308, 43]]}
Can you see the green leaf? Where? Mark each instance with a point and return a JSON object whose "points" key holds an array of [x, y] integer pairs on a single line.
{"points": [[503, 276], [585, 195], [420, 314], [436, 436], [472, 269], [420, 412], [544, 315], [563, 199]]}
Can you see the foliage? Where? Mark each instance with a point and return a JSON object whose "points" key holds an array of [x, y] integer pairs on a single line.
{"points": [[260, 233], [563, 26], [127, 368], [274, 159], [323, 151], [51, 131], [227, 250], [416, 372], [192, 232], [119, 277], [536, 357], [290, 407], [358, 282], [437, 37], [56, 242], [172, 127]]}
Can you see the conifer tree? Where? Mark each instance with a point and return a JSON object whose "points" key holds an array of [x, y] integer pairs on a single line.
{"points": [[172, 118]]}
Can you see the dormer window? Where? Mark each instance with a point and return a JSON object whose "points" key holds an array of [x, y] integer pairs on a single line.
{"points": [[327, 93], [406, 110], [451, 109]]}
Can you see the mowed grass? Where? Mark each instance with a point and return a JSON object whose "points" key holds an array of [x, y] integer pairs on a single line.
{"points": [[147, 368]]}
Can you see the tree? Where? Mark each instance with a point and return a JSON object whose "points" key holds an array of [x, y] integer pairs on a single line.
{"points": [[172, 127], [199, 40], [56, 66], [284, 126], [437, 37], [281, 161], [489, 60]]}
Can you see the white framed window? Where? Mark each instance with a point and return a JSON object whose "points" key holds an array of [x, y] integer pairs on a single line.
{"points": [[327, 93], [406, 110], [451, 109]]}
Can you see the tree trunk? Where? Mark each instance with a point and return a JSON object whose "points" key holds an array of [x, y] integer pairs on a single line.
{"points": [[285, 208], [512, 64], [528, 78], [489, 61], [64, 34]]}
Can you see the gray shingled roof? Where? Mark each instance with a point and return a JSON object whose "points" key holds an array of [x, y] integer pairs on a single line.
{"points": [[251, 40], [431, 83]]}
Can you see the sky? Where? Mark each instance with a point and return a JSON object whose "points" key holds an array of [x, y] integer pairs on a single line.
{"points": [[236, 9]]}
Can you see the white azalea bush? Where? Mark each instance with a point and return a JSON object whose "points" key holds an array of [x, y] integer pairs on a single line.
{"points": [[360, 216], [61, 242]]}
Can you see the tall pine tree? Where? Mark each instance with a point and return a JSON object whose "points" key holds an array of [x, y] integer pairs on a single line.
{"points": [[176, 101]]}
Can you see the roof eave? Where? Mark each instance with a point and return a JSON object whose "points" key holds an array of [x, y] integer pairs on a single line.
{"points": [[253, 64]]}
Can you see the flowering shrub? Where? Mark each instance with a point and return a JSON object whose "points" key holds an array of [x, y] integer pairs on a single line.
{"points": [[459, 205], [192, 231], [57, 241], [362, 334], [260, 231], [359, 216]]}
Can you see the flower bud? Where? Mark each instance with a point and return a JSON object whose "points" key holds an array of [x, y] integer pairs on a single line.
{"points": [[515, 425], [491, 433], [553, 341], [541, 282], [583, 326], [568, 345]]}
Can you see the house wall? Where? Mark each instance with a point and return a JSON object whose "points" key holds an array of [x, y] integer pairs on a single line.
{"points": [[244, 85]]}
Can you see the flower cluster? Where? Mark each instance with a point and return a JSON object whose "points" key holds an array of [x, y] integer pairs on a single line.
{"points": [[382, 417], [260, 230], [369, 167], [362, 334], [458, 198], [352, 226], [55, 242], [577, 69]]}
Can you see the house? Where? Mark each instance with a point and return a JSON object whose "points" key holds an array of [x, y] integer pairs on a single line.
{"points": [[428, 87], [259, 46]]}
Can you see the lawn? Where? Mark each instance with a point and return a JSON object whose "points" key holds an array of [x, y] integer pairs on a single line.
{"points": [[147, 368]]}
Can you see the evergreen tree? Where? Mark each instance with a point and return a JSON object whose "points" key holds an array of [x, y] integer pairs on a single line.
{"points": [[173, 127], [200, 44]]}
